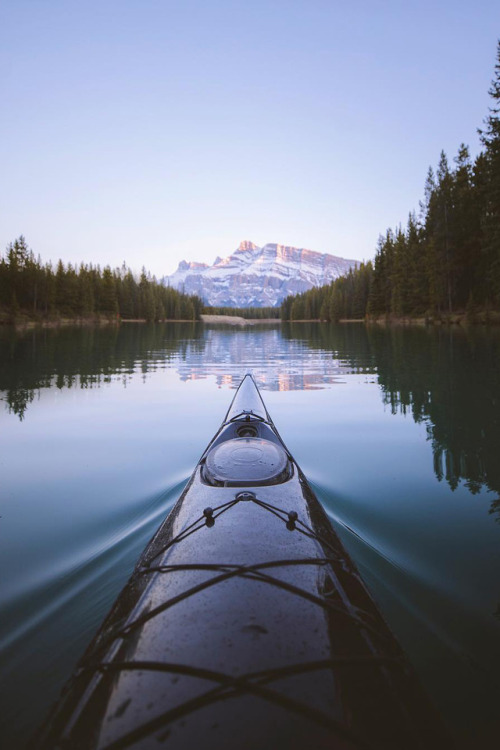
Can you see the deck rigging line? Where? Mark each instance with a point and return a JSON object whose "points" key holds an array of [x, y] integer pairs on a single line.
{"points": [[236, 685], [254, 571], [229, 686]]}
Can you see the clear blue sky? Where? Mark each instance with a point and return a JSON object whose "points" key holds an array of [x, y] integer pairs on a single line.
{"points": [[151, 131]]}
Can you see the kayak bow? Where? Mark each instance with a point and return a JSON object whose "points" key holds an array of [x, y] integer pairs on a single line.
{"points": [[245, 624]]}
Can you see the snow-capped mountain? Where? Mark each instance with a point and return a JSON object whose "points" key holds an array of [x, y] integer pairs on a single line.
{"points": [[258, 276]]}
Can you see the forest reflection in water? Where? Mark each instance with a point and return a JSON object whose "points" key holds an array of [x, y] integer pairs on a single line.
{"points": [[447, 378]]}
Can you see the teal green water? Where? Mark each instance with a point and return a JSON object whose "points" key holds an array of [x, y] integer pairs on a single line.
{"points": [[397, 430]]}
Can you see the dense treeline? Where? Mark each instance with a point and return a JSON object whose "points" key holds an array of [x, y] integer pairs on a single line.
{"points": [[346, 297], [31, 289], [446, 259], [256, 313]]}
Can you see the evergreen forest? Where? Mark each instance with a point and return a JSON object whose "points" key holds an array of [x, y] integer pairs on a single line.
{"points": [[249, 313], [32, 290], [444, 261]]}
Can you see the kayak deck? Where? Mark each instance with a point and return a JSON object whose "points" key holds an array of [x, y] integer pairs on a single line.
{"points": [[245, 623]]}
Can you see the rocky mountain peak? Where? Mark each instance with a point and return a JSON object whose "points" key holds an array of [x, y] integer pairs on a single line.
{"points": [[191, 265], [254, 276], [245, 246]]}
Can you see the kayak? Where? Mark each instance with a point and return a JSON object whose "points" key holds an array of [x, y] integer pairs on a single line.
{"points": [[245, 624]]}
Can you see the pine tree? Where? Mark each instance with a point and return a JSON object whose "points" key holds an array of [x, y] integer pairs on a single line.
{"points": [[480, 283], [490, 137], [108, 302], [61, 291], [127, 295], [85, 303], [418, 295], [336, 305], [467, 230]]}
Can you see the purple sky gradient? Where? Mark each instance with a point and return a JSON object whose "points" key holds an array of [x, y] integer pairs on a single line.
{"points": [[155, 131]]}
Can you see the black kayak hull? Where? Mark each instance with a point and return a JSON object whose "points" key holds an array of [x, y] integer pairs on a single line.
{"points": [[245, 624]]}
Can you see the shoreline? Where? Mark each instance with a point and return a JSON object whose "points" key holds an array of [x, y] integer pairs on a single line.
{"points": [[235, 320], [27, 324], [480, 318], [23, 324], [491, 317]]}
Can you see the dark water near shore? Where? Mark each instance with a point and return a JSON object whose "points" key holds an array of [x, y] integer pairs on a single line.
{"points": [[398, 431]]}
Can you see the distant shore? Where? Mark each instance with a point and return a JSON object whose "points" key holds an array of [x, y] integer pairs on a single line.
{"points": [[23, 322], [234, 320], [482, 317]]}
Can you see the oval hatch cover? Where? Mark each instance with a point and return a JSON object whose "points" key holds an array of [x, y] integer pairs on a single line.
{"points": [[246, 461]]}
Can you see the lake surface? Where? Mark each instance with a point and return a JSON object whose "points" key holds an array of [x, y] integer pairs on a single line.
{"points": [[398, 431]]}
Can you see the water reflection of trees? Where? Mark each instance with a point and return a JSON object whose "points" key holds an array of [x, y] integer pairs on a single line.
{"points": [[447, 378], [349, 344], [90, 357], [86, 357], [278, 362]]}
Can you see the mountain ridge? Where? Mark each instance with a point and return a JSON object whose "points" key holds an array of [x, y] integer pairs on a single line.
{"points": [[254, 276]]}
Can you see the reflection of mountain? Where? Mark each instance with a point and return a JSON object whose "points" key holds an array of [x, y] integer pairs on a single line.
{"points": [[277, 362], [89, 357]]}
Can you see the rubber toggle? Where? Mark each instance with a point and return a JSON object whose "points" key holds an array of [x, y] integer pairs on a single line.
{"points": [[209, 515], [292, 517]]}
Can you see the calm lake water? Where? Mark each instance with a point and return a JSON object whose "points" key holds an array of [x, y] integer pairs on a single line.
{"points": [[397, 430]]}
